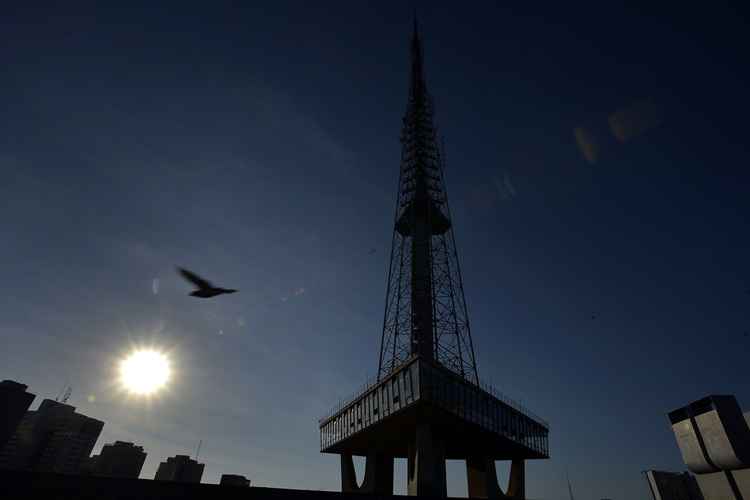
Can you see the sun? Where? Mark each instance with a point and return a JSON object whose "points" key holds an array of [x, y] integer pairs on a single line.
{"points": [[144, 371]]}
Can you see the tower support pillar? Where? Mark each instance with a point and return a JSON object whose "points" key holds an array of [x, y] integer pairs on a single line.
{"points": [[482, 479], [426, 463], [378, 474]]}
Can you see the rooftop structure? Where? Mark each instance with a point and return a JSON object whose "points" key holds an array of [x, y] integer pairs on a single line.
{"points": [[118, 459], [714, 439], [14, 401], [180, 468], [234, 480], [672, 486]]}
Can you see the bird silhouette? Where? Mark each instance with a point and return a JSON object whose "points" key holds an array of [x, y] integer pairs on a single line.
{"points": [[205, 289]]}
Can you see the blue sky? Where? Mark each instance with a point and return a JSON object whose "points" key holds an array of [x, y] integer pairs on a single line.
{"points": [[258, 145]]}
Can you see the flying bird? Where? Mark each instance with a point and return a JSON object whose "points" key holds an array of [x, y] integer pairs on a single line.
{"points": [[205, 289]]}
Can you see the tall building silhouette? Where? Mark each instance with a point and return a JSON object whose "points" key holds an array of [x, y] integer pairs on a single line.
{"points": [[14, 402], [118, 459], [427, 403], [52, 438], [180, 468]]}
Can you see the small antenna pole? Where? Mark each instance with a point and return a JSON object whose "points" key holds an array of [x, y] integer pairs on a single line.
{"points": [[570, 488], [60, 392], [197, 452], [66, 395]]}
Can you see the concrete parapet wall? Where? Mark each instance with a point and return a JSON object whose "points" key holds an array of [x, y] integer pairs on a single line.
{"points": [[715, 486], [712, 434], [690, 448], [725, 485], [742, 478], [725, 432]]}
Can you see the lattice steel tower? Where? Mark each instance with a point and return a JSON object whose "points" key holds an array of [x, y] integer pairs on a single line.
{"points": [[425, 309], [427, 403]]}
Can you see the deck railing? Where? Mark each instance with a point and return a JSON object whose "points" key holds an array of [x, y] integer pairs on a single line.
{"points": [[486, 387]]}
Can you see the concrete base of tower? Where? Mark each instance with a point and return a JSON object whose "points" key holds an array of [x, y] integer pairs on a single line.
{"points": [[426, 463], [482, 479], [378, 474], [426, 414]]}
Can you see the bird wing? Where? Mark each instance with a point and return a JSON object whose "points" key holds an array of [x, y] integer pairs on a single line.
{"points": [[194, 278]]}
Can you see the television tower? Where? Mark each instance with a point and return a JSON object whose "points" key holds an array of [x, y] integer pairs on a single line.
{"points": [[427, 403]]}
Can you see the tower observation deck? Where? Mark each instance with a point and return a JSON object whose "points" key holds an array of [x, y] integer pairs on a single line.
{"points": [[427, 402]]}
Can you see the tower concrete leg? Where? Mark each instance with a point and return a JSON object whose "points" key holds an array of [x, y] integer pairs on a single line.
{"points": [[378, 475], [517, 480], [482, 479], [348, 474], [426, 464]]}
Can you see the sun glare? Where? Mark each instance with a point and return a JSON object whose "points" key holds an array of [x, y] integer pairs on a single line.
{"points": [[144, 371]]}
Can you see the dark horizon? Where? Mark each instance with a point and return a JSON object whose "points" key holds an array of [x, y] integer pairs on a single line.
{"points": [[596, 165]]}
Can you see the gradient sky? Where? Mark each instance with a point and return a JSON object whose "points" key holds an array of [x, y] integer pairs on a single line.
{"points": [[258, 145]]}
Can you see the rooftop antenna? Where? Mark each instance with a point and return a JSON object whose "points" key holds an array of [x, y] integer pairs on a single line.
{"points": [[66, 395], [197, 452], [570, 488], [60, 392]]}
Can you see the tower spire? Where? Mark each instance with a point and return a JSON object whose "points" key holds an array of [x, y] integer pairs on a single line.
{"points": [[425, 311], [417, 70], [415, 29]]}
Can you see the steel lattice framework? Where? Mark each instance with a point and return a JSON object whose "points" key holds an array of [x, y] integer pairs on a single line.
{"points": [[425, 309]]}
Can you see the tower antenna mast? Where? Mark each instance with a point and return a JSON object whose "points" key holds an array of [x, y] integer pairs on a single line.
{"points": [[570, 488], [425, 311], [66, 395]]}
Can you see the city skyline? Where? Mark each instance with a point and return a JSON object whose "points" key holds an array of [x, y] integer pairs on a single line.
{"points": [[598, 184], [54, 437]]}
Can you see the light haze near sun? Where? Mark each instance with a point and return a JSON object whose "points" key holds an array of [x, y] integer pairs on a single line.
{"points": [[144, 371]]}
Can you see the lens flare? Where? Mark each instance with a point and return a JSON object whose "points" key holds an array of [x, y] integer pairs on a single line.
{"points": [[144, 371]]}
